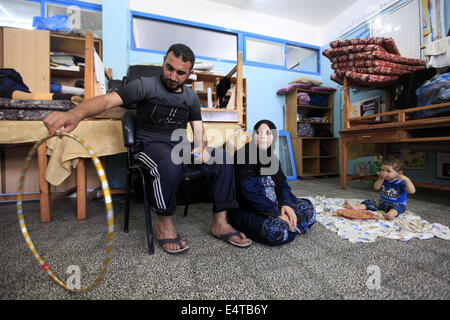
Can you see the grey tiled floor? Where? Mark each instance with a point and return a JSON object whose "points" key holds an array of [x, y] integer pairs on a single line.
{"points": [[317, 265]]}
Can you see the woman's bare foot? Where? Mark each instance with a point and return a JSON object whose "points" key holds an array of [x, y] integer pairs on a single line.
{"points": [[166, 230], [221, 226]]}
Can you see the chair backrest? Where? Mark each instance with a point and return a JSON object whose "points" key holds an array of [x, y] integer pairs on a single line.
{"points": [[129, 127], [139, 70]]}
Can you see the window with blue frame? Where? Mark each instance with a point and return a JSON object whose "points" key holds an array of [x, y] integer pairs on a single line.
{"points": [[82, 15], [263, 51], [281, 54], [18, 13], [156, 35], [302, 58]]}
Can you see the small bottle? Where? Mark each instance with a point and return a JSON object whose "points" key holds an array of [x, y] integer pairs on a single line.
{"points": [[362, 169], [209, 96]]}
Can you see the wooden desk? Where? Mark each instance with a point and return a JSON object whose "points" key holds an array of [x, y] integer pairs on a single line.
{"points": [[429, 130]]}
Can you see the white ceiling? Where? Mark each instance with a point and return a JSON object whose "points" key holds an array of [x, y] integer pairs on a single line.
{"points": [[312, 12]]}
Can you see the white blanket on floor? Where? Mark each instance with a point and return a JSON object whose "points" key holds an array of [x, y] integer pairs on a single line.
{"points": [[404, 227]]}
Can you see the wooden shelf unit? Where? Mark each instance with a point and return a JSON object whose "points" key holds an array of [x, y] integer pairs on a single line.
{"points": [[235, 112], [398, 128], [307, 150], [28, 52]]}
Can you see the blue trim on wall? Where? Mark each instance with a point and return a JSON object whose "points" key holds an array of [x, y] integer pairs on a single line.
{"points": [[81, 4], [241, 46], [42, 8]]}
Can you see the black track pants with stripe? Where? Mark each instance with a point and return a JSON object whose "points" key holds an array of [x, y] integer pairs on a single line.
{"points": [[166, 175]]}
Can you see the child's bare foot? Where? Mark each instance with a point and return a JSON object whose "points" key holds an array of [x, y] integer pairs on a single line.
{"points": [[349, 205]]}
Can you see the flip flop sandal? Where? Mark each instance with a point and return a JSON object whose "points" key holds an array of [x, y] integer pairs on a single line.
{"points": [[177, 240], [226, 237]]}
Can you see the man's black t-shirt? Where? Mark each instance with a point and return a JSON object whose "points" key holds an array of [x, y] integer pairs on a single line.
{"points": [[159, 111]]}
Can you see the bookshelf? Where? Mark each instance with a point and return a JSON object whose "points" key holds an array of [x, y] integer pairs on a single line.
{"points": [[316, 155]]}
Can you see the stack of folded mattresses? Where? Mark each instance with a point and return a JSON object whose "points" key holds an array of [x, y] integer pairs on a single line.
{"points": [[15, 109], [369, 62]]}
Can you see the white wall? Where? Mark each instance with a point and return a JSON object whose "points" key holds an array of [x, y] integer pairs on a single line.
{"points": [[352, 16], [224, 16]]}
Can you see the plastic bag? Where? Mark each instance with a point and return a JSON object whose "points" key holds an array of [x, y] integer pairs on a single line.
{"points": [[55, 23], [434, 91], [429, 92]]}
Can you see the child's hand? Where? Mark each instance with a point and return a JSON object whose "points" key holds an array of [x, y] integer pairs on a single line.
{"points": [[381, 175]]}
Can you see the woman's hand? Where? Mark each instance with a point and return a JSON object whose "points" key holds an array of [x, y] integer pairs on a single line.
{"points": [[288, 214]]}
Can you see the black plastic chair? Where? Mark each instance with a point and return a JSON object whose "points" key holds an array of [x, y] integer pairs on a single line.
{"points": [[192, 174]]}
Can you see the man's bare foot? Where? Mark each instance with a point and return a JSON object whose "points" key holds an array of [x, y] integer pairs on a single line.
{"points": [[221, 226], [166, 230]]}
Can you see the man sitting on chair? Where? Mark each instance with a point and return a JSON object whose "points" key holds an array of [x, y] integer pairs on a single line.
{"points": [[165, 104]]}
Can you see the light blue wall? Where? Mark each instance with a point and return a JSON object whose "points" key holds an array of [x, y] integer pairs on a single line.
{"points": [[116, 36]]}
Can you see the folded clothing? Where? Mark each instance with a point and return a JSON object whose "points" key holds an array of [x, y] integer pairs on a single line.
{"points": [[437, 53], [292, 86], [305, 130], [303, 98], [317, 100], [322, 89]]}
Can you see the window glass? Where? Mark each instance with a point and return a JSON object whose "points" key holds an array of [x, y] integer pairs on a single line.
{"points": [[80, 19], [18, 13], [159, 35], [264, 51], [302, 59]]}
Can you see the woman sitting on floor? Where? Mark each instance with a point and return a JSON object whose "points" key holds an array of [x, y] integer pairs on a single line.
{"points": [[269, 212]]}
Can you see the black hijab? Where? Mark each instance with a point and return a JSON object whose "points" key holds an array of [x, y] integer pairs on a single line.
{"points": [[252, 161]]}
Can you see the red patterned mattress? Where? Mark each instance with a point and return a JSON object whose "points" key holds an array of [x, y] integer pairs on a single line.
{"points": [[369, 62]]}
